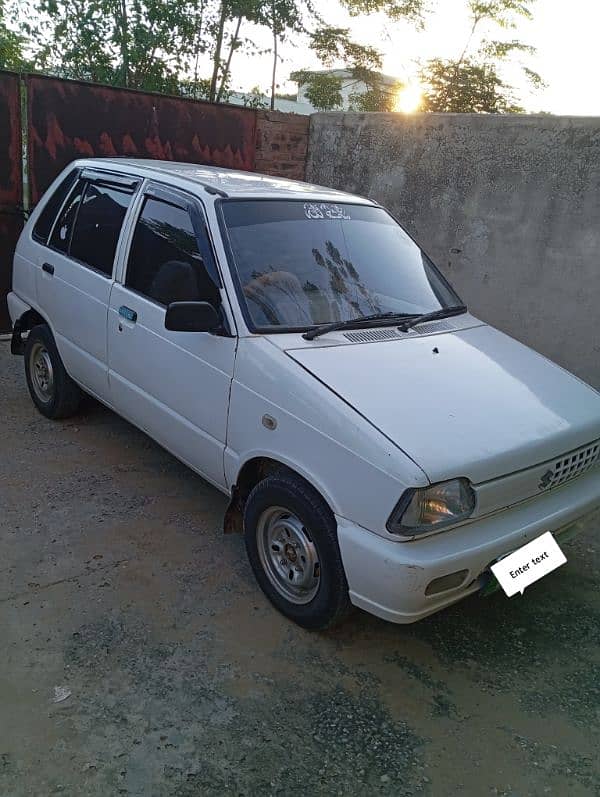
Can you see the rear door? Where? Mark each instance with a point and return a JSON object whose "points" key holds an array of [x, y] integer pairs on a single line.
{"points": [[174, 385], [74, 273]]}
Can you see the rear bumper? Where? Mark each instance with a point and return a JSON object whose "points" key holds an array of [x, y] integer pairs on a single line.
{"points": [[389, 578]]}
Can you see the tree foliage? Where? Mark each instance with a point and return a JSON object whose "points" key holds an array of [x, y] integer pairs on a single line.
{"points": [[134, 44], [377, 97], [467, 87], [411, 10], [321, 89], [472, 82], [362, 64], [11, 42], [151, 44], [165, 46]]}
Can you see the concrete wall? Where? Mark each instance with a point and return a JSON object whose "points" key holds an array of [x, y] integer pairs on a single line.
{"points": [[508, 207]]}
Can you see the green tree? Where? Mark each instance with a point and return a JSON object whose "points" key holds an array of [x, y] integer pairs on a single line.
{"points": [[395, 9], [283, 17], [279, 16], [379, 96], [472, 83], [331, 45], [134, 43], [465, 87], [11, 43], [255, 98], [334, 45], [322, 90]]}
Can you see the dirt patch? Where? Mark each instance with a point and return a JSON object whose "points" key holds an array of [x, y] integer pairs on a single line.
{"points": [[118, 584]]}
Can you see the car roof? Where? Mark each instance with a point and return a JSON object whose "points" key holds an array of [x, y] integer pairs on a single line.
{"points": [[232, 182]]}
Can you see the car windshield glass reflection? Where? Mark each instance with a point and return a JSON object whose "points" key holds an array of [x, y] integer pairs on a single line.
{"points": [[301, 264]]}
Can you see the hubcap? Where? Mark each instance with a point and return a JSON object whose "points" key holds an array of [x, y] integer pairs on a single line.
{"points": [[288, 555], [42, 373]]}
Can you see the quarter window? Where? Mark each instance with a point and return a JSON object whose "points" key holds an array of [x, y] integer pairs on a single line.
{"points": [[165, 262], [61, 234], [98, 226], [43, 225]]}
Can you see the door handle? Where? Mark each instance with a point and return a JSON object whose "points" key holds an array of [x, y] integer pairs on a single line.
{"points": [[128, 314], [48, 268]]}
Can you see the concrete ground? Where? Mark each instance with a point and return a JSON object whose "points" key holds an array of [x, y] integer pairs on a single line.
{"points": [[118, 585]]}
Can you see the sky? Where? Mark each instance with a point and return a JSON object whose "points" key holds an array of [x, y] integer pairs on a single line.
{"points": [[566, 35]]}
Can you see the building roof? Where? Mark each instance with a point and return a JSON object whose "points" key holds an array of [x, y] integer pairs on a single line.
{"points": [[230, 181]]}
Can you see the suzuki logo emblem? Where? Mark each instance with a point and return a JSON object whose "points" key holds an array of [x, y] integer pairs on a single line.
{"points": [[546, 479]]}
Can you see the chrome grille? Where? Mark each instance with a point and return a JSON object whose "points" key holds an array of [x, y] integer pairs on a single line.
{"points": [[571, 465]]}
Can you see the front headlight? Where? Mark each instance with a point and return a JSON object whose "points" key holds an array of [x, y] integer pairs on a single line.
{"points": [[427, 509]]}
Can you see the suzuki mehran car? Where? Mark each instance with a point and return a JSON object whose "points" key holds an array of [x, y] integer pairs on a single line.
{"points": [[294, 346]]}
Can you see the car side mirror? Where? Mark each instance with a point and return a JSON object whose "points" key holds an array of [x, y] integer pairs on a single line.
{"points": [[192, 317]]}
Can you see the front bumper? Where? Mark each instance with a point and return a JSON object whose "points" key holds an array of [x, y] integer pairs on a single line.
{"points": [[389, 578]]}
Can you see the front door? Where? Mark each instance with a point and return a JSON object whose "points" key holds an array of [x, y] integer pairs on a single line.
{"points": [[173, 385]]}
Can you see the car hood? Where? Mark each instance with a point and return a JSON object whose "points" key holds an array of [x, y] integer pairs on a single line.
{"points": [[472, 403]]}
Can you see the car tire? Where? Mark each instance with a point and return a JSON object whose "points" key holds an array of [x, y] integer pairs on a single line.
{"points": [[292, 544], [51, 388]]}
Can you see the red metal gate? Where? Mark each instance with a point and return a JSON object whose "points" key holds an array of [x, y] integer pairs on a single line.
{"points": [[11, 185], [69, 119]]}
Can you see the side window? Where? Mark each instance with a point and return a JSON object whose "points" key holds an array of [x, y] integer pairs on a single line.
{"points": [[98, 226], [43, 225], [165, 263], [61, 234]]}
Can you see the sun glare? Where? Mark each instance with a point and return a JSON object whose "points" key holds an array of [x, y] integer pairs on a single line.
{"points": [[409, 98]]}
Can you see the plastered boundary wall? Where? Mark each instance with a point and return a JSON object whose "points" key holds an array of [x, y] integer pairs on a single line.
{"points": [[507, 206]]}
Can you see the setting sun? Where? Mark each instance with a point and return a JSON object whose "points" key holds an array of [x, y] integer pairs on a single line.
{"points": [[409, 98]]}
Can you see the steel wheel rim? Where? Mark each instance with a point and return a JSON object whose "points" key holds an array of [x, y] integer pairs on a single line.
{"points": [[288, 555], [41, 372]]}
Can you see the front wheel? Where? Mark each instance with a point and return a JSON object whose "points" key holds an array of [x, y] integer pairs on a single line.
{"points": [[291, 540]]}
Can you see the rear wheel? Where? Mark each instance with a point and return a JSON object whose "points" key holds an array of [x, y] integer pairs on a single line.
{"points": [[52, 390], [291, 540]]}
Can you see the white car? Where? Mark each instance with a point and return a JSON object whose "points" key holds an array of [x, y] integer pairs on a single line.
{"points": [[381, 446]]}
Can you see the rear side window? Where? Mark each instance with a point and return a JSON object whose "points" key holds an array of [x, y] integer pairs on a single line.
{"points": [[165, 261], [63, 229], [98, 226], [43, 225]]}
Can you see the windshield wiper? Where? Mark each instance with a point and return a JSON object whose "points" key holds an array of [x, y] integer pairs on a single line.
{"points": [[406, 320], [353, 322], [445, 312]]}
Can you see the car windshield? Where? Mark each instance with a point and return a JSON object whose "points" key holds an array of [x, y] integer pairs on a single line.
{"points": [[301, 264]]}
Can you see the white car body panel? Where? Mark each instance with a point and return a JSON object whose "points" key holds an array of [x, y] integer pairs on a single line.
{"points": [[393, 586], [361, 422], [182, 403], [76, 299], [313, 427], [481, 406]]}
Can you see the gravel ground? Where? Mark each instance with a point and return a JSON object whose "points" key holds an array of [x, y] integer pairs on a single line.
{"points": [[118, 586]]}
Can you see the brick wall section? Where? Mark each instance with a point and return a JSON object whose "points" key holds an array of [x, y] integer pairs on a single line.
{"points": [[282, 144]]}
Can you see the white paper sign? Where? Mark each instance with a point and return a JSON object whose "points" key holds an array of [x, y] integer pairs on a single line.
{"points": [[534, 560]]}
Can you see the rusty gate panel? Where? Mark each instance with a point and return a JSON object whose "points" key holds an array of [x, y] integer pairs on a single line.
{"points": [[11, 185], [11, 225], [71, 119], [11, 189]]}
